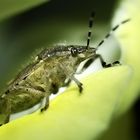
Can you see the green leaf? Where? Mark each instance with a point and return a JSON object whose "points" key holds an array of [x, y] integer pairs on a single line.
{"points": [[11, 7], [128, 37], [72, 115]]}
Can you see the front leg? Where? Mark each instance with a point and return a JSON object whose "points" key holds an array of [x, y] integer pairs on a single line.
{"points": [[104, 63], [79, 84], [72, 77], [7, 119]]}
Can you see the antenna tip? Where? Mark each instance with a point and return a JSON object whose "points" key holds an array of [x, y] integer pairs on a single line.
{"points": [[127, 20]]}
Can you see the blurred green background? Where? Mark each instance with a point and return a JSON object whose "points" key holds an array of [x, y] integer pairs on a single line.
{"points": [[27, 26], [56, 21]]}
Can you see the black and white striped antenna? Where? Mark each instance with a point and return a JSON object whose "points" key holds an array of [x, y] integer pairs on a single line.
{"points": [[112, 30], [90, 29], [107, 35]]}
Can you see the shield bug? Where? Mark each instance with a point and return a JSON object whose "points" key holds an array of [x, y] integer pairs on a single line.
{"points": [[47, 73]]}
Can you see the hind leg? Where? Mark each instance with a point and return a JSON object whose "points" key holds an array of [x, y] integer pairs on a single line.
{"points": [[7, 119], [7, 112], [46, 105]]}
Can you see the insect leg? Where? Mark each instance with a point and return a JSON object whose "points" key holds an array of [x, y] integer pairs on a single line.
{"points": [[7, 110], [79, 84], [71, 77], [104, 63], [39, 93], [67, 83], [86, 65], [46, 104], [7, 119]]}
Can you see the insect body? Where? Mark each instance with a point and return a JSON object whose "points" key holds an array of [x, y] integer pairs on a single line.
{"points": [[46, 75]]}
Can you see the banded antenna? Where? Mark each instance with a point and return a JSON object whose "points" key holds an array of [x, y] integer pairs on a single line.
{"points": [[90, 28], [112, 30]]}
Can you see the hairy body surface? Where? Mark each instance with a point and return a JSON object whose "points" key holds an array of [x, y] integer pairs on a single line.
{"points": [[43, 77]]}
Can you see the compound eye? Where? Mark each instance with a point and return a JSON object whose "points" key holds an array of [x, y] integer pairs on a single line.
{"points": [[74, 52]]}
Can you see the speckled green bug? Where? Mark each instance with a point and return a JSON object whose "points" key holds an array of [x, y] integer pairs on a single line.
{"points": [[47, 73]]}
